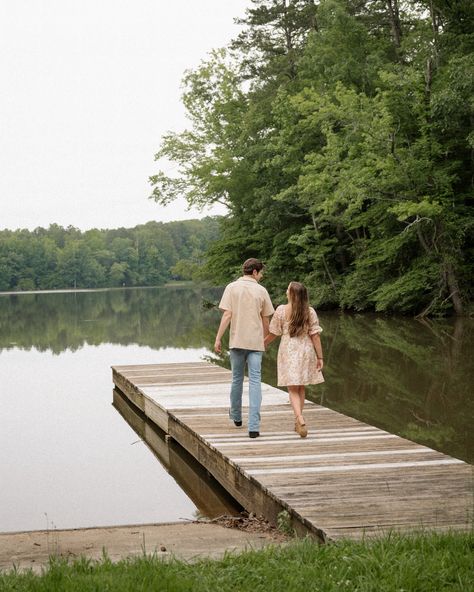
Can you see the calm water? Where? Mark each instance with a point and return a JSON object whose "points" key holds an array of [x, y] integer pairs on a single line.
{"points": [[74, 454]]}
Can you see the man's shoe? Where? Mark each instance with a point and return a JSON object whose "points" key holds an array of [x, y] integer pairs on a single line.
{"points": [[238, 424], [254, 434]]}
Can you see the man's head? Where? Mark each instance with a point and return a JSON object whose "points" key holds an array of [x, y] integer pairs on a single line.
{"points": [[254, 268]]}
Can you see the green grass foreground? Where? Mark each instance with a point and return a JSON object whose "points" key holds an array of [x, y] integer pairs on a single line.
{"points": [[433, 562]]}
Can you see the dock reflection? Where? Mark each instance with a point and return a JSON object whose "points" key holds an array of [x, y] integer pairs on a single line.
{"points": [[210, 498]]}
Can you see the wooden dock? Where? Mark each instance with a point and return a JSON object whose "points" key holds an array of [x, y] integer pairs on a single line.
{"points": [[347, 479]]}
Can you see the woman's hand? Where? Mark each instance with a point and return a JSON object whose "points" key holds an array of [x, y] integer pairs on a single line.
{"points": [[319, 364]]}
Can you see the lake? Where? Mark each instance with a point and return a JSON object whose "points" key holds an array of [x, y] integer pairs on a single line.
{"points": [[70, 455]]}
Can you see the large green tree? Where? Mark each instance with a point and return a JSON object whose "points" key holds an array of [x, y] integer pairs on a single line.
{"points": [[340, 135]]}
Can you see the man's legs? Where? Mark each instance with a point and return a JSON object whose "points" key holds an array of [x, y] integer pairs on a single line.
{"points": [[254, 361], [237, 362]]}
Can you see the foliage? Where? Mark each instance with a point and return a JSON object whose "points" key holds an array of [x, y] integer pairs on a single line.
{"points": [[340, 136], [147, 255]]}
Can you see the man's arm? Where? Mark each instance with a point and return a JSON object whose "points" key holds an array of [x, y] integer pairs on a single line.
{"points": [[225, 320], [266, 325]]}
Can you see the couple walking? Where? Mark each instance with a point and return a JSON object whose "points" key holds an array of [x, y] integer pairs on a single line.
{"points": [[247, 307]]}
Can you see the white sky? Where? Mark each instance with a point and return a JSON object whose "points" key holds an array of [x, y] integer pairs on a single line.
{"points": [[87, 88]]}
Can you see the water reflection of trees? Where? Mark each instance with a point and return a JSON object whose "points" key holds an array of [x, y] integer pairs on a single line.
{"points": [[162, 317], [411, 378]]}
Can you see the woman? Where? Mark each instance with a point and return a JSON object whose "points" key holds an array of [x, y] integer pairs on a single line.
{"points": [[300, 355]]}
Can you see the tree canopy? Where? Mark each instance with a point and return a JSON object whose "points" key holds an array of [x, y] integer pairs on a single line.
{"points": [[147, 255], [340, 136]]}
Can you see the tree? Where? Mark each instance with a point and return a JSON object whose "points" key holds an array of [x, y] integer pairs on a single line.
{"points": [[347, 160]]}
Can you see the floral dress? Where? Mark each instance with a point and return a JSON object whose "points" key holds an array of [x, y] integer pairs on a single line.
{"points": [[296, 355]]}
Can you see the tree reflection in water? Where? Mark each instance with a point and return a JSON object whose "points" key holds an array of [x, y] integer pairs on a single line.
{"points": [[155, 317]]}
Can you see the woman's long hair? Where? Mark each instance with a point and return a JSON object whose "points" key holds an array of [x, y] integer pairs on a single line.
{"points": [[299, 320]]}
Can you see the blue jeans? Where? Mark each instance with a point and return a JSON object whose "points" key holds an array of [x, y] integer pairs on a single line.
{"points": [[238, 358]]}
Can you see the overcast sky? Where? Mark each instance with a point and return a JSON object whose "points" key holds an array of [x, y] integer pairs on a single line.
{"points": [[87, 89]]}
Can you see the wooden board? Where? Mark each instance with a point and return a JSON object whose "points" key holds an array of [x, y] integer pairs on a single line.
{"points": [[346, 479]]}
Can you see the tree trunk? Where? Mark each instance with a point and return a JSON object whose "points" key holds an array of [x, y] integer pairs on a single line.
{"points": [[326, 268], [313, 20], [453, 287], [435, 28], [395, 25], [422, 240], [289, 41]]}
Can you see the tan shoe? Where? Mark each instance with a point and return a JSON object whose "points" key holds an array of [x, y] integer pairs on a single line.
{"points": [[301, 429]]}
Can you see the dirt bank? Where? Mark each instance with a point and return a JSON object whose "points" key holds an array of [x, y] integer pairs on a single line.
{"points": [[187, 541]]}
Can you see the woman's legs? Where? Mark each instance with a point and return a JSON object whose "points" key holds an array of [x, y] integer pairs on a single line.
{"points": [[301, 395], [294, 393]]}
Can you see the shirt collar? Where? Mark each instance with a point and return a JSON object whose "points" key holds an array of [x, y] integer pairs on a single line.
{"points": [[247, 278]]}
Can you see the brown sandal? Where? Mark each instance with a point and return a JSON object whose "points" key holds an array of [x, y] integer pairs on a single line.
{"points": [[301, 428]]}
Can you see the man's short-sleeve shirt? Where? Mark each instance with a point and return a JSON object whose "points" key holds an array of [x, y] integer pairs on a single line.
{"points": [[248, 301]]}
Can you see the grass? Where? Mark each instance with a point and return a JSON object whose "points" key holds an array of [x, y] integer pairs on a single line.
{"points": [[418, 563]]}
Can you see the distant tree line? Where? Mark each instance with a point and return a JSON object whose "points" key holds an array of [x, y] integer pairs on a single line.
{"points": [[146, 255], [340, 135]]}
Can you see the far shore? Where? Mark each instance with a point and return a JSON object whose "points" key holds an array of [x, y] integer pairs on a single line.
{"points": [[176, 284]]}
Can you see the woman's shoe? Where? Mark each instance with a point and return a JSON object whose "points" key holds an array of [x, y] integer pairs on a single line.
{"points": [[301, 428]]}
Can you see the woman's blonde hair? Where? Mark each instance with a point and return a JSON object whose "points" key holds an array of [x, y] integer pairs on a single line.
{"points": [[299, 320]]}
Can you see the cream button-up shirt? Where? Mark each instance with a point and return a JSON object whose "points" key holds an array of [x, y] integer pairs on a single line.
{"points": [[248, 301]]}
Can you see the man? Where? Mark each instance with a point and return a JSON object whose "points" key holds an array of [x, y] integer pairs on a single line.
{"points": [[246, 306]]}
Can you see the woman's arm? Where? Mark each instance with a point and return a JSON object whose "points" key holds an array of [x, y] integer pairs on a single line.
{"points": [[319, 350]]}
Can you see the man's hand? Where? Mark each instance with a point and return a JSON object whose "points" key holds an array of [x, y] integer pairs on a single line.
{"points": [[218, 346]]}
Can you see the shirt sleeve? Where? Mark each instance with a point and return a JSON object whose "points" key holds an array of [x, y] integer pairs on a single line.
{"points": [[267, 309], [276, 324], [314, 327], [226, 300]]}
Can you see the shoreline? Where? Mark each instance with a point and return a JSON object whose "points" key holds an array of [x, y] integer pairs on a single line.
{"points": [[116, 288], [183, 540]]}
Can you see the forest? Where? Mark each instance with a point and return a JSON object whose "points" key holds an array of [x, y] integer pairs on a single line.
{"points": [[340, 136], [146, 255]]}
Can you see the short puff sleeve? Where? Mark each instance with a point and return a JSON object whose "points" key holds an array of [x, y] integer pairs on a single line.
{"points": [[314, 327], [276, 325]]}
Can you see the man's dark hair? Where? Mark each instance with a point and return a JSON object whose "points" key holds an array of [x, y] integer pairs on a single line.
{"points": [[252, 264]]}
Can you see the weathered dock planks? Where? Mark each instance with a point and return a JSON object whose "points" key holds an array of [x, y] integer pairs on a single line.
{"points": [[346, 479]]}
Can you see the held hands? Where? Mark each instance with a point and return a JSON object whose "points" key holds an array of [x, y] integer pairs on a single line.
{"points": [[268, 339]]}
